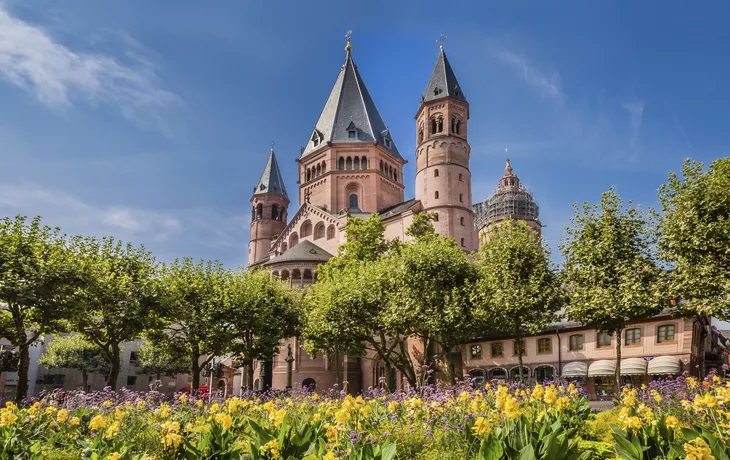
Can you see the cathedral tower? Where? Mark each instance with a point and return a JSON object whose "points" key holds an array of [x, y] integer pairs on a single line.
{"points": [[443, 179], [269, 210], [350, 161]]}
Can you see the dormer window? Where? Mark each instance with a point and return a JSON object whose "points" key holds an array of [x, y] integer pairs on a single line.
{"points": [[437, 91], [351, 131], [316, 138], [386, 142]]}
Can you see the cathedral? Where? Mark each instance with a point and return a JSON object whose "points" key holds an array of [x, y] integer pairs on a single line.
{"points": [[352, 167]]}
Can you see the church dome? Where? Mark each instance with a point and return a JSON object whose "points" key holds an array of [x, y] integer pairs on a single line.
{"points": [[511, 200]]}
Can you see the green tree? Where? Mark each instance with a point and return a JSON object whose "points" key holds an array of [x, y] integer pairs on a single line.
{"points": [[259, 312], [120, 299], [429, 279], [38, 278], [610, 274], [346, 310], [694, 237], [517, 290], [160, 359], [73, 352], [191, 297]]}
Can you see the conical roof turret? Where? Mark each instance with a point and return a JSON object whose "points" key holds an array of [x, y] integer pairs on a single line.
{"points": [[349, 115], [443, 82], [271, 180]]}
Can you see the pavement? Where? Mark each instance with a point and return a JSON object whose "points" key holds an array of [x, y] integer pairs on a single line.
{"points": [[599, 406]]}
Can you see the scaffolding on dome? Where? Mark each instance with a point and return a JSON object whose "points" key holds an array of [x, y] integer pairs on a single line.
{"points": [[511, 202]]}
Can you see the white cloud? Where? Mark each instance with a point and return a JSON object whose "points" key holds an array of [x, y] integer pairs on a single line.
{"points": [[548, 85], [636, 115], [199, 232], [57, 76]]}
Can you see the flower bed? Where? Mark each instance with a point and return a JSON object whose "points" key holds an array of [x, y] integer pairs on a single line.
{"points": [[677, 420]]}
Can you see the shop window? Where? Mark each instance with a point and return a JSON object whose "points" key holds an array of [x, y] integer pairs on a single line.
{"points": [[665, 333], [632, 337], [497, 350], [545, 345], [544, 373], [603, 339], [576, 342], [605, 386]]}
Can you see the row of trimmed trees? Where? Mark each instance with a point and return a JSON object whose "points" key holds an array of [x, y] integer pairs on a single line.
{"points": [[621, 264], [109, 293], [377, 296]]}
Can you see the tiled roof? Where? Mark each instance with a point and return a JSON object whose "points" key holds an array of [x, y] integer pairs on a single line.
{"points": [[398, 208], [304, 251], [349, 108], [443, 81], [271, 180]]}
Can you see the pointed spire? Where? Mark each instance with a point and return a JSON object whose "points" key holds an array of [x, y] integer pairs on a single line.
{"points": [[271, 180], [443, 82], [509, 179], [349, 109], [508, 168]]}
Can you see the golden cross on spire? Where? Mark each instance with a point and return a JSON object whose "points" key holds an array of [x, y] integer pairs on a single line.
{"points": [[442, 38], [349, 46]]}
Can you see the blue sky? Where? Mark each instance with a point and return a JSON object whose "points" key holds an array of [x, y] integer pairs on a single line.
{"points": [[151, 121]]}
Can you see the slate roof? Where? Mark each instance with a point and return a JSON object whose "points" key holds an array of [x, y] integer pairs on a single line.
{"points": [[304, 251], [349, 107], [271, 180], [443, 82], [399, 208]]}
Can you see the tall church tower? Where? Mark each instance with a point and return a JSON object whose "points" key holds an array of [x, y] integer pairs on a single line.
{"points": [[443, 179], [269, 210]]}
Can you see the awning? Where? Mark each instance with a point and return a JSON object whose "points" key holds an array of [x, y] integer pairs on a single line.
{"points": [[604, 367], [665, 365], [633, 366], [575, 369]]}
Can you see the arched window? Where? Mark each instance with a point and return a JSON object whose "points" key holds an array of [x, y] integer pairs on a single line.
{"points": [[436, 195], [441, 124], [285, 275], [307, 277], [434, 126], [293, 240], [275, 212], [296, 275], [309, 175], [253, 213], [435, 173], [319, 231], [306, 229], [283, 247], [395, 176], [390, 172], [348, 163], [461, 197], [544, 372], [341, 164], [458, 126], [453, 125], [259, 211], [356, 164], [420, 136], [324, 167], [381, 166], [462, 221], [462, 242], [435, 217], [498, 373], [330, 232], [515, 373], [274, 274], [364, 163], [309, 384], [319, 170], [353, 201]]}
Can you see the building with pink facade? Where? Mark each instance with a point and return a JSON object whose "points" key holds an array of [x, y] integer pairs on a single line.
{"points": [[352, 167]]}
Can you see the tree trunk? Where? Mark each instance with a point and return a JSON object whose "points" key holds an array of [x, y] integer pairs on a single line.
{"points": [[195, 368], [23, 365], [518, 344], [388, 369], [618, 362], [338, 369], [114, 366], [85, 380], [157, 376], [249, 376]]}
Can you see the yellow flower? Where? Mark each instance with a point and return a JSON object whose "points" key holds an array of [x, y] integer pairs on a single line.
{"points": [[224, 420], [329, 456], [277, 417], [172, 440], [199, 403], [315, 396], [366, 411], [10, 405], [538, 392], [272, 447], [163, 411], [634, 423], [183, 398], [697, 449], [562, 402], [691, 382], [112, 430], [7, 417], [107, 403], [141, 404], [73, 421], [214, 408], [97, 423], [35, 408], [550, 395], [316, 418], [50, 410], [481, 427], [657, 397], [671, 422], [393, 406], [62, 416], [113, 456], [331, 433]]}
